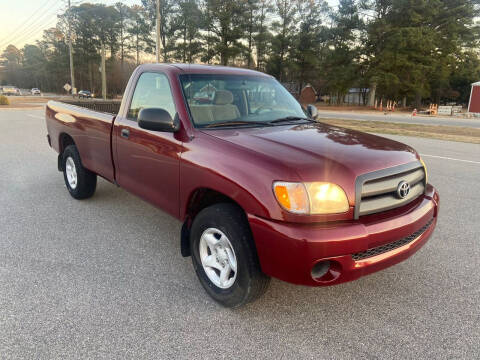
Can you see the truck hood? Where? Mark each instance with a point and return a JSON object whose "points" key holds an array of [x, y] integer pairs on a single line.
{"points": [[320, 152]]}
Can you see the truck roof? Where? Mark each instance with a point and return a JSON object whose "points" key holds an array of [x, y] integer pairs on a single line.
{"points": [[202, 69]]}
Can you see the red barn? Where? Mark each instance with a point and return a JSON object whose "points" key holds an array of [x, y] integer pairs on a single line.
{"points": [[474, 104]]}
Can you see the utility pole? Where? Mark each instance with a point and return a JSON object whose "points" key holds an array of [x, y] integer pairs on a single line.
{"points": [[158, 29], [104, 75], [72, 75], [371, 94]]}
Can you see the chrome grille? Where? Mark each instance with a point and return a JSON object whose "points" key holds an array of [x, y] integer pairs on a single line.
{"points": [[377, 191], [391, 246]]}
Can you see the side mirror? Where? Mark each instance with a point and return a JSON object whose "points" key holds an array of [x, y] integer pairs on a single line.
{"points": [[157, 119], [312, 111]]}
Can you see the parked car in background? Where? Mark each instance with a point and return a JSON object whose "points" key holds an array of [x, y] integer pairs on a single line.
{"points": [[85, 94], [35, 91], [11, 90], [261, 187]]}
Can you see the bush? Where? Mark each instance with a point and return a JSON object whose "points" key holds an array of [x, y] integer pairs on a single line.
{"points": [[4, 100]]}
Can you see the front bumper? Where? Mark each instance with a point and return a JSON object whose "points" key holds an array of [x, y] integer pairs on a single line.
{"points": [[289, 251]]}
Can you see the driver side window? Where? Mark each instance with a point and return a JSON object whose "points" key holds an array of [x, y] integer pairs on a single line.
{"points": [[152, 91]]}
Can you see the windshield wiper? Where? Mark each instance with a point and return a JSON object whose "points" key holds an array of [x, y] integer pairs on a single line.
{"points": [[290, 118], [257, 123], [237, 122]]}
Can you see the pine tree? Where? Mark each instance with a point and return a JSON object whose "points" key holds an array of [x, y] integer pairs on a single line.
{"points": [[168, 11], [139, 30], [309, 41], [225, 27], [285, 30], [187, 23], [263, 36], [341, 66]]}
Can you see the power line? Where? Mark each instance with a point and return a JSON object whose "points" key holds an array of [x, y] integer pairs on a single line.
{"points": [[22, 26], [19, 28], [34, 27], [28, 34], [34, 33]]}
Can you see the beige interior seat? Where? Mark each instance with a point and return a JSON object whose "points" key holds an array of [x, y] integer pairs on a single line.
{"points": [[222, 109], [202, 114]]}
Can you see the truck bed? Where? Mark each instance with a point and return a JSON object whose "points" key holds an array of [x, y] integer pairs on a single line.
{"points": [[105, 106], [90, 130]]}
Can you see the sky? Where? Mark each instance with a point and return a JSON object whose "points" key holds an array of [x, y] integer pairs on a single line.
{"points": [[23, 21]]}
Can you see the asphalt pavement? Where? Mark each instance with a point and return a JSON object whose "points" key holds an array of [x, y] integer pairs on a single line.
{"points": [[401, 118], [104, 278]]}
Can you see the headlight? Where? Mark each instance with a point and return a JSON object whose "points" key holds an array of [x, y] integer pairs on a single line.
{"points": [[311, 198], [425, 168]]}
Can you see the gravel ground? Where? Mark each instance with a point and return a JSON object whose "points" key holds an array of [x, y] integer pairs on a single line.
{"points": [[104, 277]]}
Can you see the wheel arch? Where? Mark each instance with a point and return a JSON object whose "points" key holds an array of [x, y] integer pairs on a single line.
{"points": [[64, 140], [199, 199]]}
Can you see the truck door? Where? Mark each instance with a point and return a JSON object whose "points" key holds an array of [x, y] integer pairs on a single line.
{"points": [[147, 162]]}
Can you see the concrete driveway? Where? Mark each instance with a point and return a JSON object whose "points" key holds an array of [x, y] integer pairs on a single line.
{"points": [[104, 277]]}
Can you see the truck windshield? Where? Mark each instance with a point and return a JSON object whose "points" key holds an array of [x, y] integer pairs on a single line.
{"points": [[237, 100]]}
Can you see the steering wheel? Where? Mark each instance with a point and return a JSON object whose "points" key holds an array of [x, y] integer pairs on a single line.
{"points": [[261, 108]]}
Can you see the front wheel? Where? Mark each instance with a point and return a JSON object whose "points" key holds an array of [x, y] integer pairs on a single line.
{"points": [[224, 256], [81, 182]]}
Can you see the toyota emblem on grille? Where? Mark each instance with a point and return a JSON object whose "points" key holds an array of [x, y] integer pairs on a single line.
{"points": [[403, 189]]}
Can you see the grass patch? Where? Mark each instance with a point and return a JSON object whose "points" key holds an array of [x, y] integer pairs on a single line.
{"points": [[441, 132], [4, 100]]}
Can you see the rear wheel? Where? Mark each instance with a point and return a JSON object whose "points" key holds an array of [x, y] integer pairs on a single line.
{"points": [[224, 256], [81, 183]]}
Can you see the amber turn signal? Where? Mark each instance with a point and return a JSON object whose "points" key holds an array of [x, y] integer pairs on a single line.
{"points": [[292, 197], [311, 198]]}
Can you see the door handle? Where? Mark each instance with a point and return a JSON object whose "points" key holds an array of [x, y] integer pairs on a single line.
{"points": [[125, 133]]}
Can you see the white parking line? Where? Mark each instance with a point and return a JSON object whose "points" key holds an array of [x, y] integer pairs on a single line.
{"points": [[449, 158], [36, 116]]}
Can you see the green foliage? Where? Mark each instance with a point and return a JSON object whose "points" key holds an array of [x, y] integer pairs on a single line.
{"points": [[4, 100], [342, 61], [282, 45], [465, 71], [168, 11], [413, 47], [225, 27], [187, 23], [310, 41], [407, 49], [262, 35], [12, 54], [139, 32]]}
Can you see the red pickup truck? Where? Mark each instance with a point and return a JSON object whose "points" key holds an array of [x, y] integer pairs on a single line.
{"points": [[261, 187]]}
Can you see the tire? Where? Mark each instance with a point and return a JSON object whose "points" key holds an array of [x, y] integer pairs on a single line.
{"points": [[85, 181], [248, 282]]}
